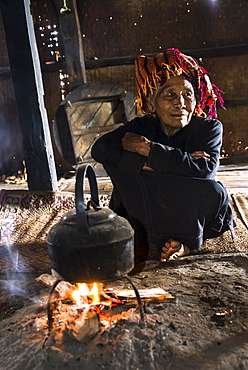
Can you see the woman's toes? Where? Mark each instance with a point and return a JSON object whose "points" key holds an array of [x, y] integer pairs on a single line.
{"points": [[166, 247], [174, 256], [183, 251], [175, 244], [169, 249], [173, 250]]}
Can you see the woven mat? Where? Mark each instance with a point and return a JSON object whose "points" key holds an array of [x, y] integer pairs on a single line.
{"points": [[224, 243], [241, 203], [25, 219], [27, 216]]}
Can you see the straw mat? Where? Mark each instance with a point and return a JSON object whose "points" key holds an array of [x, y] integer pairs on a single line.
{"points": [[27, 216], [241, 203], [25, 219]]}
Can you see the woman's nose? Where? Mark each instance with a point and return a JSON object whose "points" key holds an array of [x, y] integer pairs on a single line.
{"points": [[179, 100]]}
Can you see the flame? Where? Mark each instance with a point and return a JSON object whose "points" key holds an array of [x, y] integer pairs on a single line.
{"points": [[82, 292]]}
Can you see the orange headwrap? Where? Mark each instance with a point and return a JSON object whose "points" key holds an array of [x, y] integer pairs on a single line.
{"points": [[153, 72]]}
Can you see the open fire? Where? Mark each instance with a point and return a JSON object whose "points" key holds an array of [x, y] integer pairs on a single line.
{"points": [[83, 291], [83, 310], [93, 295]]}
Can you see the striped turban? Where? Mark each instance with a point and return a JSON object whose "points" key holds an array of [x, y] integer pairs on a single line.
{"points": [[154, 72]]}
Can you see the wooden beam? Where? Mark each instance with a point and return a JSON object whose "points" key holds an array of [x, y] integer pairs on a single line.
{"points": [[235, 102], [197, 53], [222, 51], [72, 40], [27, 81]]}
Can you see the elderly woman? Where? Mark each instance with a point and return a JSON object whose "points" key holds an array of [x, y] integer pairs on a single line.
{"points": [[163, 164]]}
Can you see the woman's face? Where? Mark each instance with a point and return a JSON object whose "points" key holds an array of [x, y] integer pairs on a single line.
{"points": [[174, 103]]}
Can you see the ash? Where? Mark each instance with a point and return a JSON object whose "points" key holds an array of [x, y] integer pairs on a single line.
{"points": [[205, 328]]}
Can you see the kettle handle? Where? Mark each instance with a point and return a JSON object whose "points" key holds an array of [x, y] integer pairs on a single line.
{"points": [[82, 172]]}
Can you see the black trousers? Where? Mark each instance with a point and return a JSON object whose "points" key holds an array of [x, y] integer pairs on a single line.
{"points": [[164, 206]]}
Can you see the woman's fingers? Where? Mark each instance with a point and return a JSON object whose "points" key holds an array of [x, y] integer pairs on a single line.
{"points": [[147, 168], [136, 143], [200, 154], [130, 140]]}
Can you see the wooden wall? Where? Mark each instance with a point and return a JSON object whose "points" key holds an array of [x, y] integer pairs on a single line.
{"points": [[231, 75], [114, 28]]}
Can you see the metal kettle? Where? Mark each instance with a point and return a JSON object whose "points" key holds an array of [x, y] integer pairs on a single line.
{"points": [[92, 244]]}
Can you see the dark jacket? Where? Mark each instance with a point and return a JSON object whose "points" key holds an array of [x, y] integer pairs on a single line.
{"points": [[168, 154]]}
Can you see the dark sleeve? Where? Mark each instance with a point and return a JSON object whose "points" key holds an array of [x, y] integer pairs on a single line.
{"points": [[108, 149], [206, 137]]}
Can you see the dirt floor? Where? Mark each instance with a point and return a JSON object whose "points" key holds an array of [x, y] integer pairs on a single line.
{"points": [[182, 334], [205, 327]]}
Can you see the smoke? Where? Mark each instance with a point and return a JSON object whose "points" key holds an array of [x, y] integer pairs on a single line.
{"points": [[10, 284], [15, 280], [14, 257], [14, 289]]}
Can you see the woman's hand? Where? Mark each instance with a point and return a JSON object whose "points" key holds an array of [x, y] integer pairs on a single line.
{"points": [[200, 154], [136, 143], [145, 167]]}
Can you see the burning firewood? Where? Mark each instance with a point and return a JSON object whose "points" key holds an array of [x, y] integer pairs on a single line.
{"points": [[85, 328], [79, 307], [153, 295]]}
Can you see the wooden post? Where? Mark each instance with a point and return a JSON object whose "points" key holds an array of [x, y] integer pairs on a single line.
{"points": [[72, 40], [27, 81]]}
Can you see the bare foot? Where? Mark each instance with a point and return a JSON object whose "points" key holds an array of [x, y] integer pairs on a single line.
{"points": [[173, 250]]}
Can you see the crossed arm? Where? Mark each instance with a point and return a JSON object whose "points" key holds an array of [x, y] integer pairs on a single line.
{"points": [[141, 145], [132, 148]]}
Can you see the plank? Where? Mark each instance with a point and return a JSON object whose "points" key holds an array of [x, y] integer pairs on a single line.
{"points": [[93, 106], [152, 295]]}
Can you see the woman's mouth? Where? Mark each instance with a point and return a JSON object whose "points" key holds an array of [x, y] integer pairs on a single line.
{"points": [[180, 116]]}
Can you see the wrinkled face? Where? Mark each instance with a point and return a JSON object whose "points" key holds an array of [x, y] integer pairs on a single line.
{"points": [[174, 103]]}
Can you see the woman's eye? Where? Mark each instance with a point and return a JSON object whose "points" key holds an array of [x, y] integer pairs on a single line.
{"points": [[189, 94], [169, 95]]}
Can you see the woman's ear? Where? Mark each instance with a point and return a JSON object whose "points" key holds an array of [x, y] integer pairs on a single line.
{"points": [[150, 104]]}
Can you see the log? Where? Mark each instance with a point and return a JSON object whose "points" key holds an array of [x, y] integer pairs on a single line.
{"points": [[153, 295], [87, 327], [64, 288]]}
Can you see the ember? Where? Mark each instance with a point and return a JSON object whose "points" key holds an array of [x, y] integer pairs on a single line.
{"points": [[84, 310], [81, 313]]}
